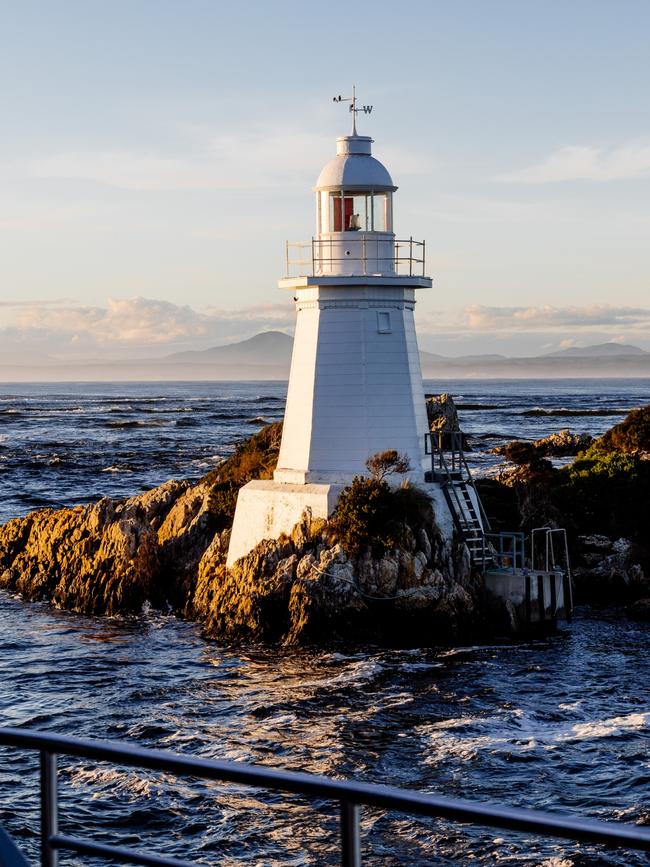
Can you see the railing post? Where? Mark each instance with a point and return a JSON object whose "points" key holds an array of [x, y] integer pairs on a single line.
{"points": [[350, 837], [411, 257], [49, 808]]}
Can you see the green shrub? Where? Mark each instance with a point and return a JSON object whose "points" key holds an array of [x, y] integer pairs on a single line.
{"points": [[611, 465], [222, 501], [386, 463], [254, 458], [606, 493], [371, 514]]}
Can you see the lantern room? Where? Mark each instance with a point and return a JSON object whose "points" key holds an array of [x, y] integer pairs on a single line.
{"points": [[354, 190]]}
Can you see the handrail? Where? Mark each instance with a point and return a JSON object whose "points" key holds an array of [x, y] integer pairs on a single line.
{"points": [[371, 252], [550, 555], [351, 795], [457, 458], [515, 553]]}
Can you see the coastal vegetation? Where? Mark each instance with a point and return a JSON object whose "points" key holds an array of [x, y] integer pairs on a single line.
{"points": [[373, 515], [603, 494], [254, 458]]}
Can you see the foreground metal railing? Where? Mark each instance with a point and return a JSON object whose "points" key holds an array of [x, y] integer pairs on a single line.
{"points": [[351, 796]]}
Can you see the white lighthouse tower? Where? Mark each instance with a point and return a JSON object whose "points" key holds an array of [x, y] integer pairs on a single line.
{"points": [[355, 386]]}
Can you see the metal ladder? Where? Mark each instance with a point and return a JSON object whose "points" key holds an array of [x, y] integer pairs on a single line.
{"points": [[449, 467], [470, 523]]}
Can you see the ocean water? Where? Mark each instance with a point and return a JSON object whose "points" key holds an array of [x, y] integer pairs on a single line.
{"points": [[561, 724], [62, 444]]}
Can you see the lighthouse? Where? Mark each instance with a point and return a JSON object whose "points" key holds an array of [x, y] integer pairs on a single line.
{"points": [[355, 386]]}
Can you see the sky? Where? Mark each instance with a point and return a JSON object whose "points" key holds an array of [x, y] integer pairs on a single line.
{"points": [[156, 154]]}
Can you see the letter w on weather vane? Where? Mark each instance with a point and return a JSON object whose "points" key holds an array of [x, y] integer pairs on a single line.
{"points": [[354, 108]]}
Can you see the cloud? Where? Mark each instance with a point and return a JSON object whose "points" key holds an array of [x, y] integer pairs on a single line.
{"points": [[44, 302], [582, 162], [483, 318], [138, 327], [258, 158], [131, 326]]}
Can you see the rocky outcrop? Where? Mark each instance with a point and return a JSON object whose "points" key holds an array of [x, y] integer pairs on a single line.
{"points": [[631, 436], [112, 556], [396, 579], [610, 571], [556, 445], [303, 589], [442, 417], [377, 571]]}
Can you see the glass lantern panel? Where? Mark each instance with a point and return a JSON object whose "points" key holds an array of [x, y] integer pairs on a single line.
{"points": [[323, 211], [361, 216], [352, 212], [382, 218]]}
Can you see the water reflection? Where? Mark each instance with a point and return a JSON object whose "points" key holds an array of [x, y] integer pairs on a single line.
{"points": [[561, 724]]}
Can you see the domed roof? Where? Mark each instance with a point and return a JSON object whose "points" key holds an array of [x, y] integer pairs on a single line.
{"points": [[354, 168]]}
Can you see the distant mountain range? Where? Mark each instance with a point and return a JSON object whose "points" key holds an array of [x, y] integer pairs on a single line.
{"points": [[268, 356], [600, 350]]}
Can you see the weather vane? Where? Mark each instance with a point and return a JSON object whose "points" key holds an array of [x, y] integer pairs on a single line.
{"points": [[366, 109]]}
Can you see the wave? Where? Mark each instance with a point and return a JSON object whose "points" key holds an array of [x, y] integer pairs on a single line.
{"points": [[466, 737], [471, 407], [135, 424], [572, 412]]}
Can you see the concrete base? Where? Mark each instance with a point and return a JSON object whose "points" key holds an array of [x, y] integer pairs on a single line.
{"points": [[267, 509], [537, 597]]}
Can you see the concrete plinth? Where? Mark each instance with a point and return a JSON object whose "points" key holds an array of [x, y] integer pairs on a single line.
{"points": [[537, 597], [267, 509]]}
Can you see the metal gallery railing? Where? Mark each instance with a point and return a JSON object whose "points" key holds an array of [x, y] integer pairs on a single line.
{"points": [[364, 256], [351, 797]]}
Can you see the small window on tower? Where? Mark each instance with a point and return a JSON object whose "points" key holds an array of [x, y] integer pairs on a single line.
{"points": [[383, 322]]}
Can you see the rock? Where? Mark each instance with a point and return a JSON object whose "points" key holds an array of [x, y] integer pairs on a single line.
{"points": [[442, 417], [556, 445], [110, 557], [417, 598], [168, 547], [562, 444], [306, 589], [613, 571], [425, 543], [631, 436], [595, 543]]}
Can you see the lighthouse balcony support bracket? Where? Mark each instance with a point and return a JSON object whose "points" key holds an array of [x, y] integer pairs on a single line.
{"points": [[353, 255]]}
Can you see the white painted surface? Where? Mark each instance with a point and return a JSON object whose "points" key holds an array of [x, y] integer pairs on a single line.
{"points": [[355, 254], [355, 387], [346, 281], [354, 168], [441, 511], [266, 510]]}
